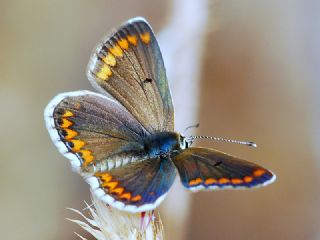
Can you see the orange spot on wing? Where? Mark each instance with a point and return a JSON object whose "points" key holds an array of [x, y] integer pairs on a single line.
{"points": [[88, 159], [67, 113], [136, 198], [195, 181], [123, 43], [145, 37], [77, 144], [66, 123], [210, 181], [104, 177], [247, 179], [117, 191], [104, 73], [70, 134], [116, 51], [224, 180], [259, 172], [86, 156], [110, 60], [110, 185], [84, 153], [236, 181], [125, 196], [132, 39]]}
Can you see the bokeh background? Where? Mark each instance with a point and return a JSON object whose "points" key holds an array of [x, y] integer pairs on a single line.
{"points": [[258, 79]]}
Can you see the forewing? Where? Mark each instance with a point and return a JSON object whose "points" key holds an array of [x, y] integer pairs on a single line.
{"points": [[93, 131], [203, 168], [136, 187], [128, 65]]}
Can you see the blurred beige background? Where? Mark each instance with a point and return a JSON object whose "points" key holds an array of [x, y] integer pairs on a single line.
{"points": [[259, 81]]}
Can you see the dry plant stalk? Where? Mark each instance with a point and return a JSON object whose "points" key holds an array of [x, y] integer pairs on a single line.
{"points": [[107, 223]]}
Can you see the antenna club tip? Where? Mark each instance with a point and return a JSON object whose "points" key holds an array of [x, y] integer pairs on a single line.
{"points": [[253, 144]]}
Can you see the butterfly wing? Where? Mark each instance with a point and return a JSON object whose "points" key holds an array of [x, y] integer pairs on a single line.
{"points": [[203, 168], [136, 187], [104, 143], [128, 65], [94, 132]]}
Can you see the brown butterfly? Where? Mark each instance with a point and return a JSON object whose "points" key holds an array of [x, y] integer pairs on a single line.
{"points": [[123, 142]]}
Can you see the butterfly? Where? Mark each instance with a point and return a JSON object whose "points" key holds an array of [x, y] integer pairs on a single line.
{"points": [[122, 140]]}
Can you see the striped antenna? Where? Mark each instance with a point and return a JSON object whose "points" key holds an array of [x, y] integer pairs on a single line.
{"points": [[247, 143]]}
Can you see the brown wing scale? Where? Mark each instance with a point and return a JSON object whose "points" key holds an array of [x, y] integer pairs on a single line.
{"points": [[129, 66]]}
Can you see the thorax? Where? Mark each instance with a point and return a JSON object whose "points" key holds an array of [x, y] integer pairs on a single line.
{"points": [[163, 143]]}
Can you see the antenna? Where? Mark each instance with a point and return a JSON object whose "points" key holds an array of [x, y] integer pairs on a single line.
{"points": [[247, 143], [192, 126]]}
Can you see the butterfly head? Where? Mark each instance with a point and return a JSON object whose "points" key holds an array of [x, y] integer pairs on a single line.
{"points": [[184, 143]]}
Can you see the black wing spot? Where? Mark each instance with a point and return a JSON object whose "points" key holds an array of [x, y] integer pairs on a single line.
{"points": [[217, 164], [59, 111], [59, 122], [63, 133], [70, 145], [147, 80]]}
